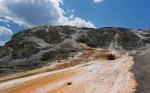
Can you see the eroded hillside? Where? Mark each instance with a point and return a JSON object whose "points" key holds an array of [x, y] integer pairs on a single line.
{"points": [[91, 71], [42, 45], [65, 59]]}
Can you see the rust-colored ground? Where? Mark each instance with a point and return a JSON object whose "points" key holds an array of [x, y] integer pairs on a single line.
{"points": [[88, 73]]}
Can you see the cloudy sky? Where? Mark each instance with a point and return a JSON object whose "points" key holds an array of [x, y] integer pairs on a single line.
{"points": [[16, 15]]}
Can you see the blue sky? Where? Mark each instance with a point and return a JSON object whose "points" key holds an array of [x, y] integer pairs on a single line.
{"points": [[120, 13], [16, 15]]}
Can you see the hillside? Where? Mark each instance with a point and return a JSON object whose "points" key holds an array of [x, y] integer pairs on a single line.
{"points": [[42, 45], [93, 74], [66, 59]]}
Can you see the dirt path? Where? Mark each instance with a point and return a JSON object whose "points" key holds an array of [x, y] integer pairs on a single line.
{"points": [[94, 75]]}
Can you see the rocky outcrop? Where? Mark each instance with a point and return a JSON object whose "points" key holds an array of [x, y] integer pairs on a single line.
{"points": [[42, 45], [116, 38]]}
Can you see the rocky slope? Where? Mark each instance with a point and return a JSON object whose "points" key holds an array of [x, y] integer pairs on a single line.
{"points": [[141, 70], [94, 74], [43, 45]]}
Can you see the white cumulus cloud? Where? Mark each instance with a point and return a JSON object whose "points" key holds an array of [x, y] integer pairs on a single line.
{"points": [[39, 12], [5, 31], [2, 42], [98, 1]]}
